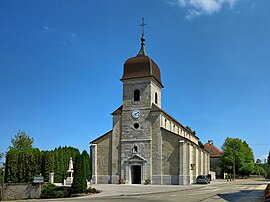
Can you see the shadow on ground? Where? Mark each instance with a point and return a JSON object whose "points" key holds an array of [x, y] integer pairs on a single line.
{"points": [[254, 194]]}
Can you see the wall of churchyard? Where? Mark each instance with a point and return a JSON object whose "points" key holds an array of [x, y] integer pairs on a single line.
{"points": [[20, 191]]}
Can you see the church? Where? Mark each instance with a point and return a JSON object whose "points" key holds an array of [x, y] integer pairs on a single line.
{"points": [[146, 144]]}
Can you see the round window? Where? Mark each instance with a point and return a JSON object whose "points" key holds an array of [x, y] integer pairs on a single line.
{"points": [[136, 125]]}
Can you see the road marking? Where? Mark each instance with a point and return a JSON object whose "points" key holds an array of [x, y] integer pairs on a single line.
{"points": [[205, 191]]}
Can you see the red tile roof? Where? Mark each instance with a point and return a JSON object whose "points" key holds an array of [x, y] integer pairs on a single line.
{"points": [[213, 150]]}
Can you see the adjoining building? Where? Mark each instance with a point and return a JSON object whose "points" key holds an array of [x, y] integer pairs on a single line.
{"points": [[215, 155], [146, 144]]}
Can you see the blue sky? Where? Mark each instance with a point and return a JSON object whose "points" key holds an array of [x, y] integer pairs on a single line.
{"points": [[61, 61]]}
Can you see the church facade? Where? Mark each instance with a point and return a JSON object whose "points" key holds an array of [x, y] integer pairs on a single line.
{"points": [[146, 144]]}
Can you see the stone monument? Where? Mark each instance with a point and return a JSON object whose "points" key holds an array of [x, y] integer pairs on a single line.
{"points": [[51, 178], [70, 171]]}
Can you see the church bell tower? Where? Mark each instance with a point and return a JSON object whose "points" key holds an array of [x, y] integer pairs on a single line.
{"points": [[141, 91]]}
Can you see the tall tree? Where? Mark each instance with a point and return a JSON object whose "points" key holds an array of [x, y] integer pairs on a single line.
{"points": [[86, 161], [11, 167], [21, 141], [23, 162], [22, 166], [267, 167], [79, 181], [258, 161], [237, 157], [248, 163], [1, 167], [48, 161], [268, 159]]}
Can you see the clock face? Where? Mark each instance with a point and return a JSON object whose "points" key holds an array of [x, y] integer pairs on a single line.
{"points": [[136, 113]]}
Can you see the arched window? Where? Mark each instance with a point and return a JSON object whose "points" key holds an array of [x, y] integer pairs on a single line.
{"points": [[136, 95], [156, 98], [135, 149]]}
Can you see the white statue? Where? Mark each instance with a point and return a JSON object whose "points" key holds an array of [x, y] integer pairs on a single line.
{"points": [[70, 171], [70, 166]]}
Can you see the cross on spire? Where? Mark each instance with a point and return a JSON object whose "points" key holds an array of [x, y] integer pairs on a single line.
{"points": [[142, 25], [142, 50]]}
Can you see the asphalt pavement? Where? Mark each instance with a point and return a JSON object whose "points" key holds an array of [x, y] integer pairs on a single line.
{"points": [[139, 189], [219, 190]]}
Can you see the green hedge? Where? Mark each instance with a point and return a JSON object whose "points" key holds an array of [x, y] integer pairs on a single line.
{"points": [[52, 191]]}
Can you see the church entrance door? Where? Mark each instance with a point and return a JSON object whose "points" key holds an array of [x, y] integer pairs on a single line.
{"points": [[136, 174]]}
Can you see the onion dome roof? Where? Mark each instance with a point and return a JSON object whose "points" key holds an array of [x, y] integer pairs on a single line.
{"points": [[141, 66]]}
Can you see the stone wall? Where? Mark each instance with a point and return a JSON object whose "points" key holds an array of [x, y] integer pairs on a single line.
{"points": [[170, 154], [102, 160], [170, 158], [156, 151], [20, 191], [116, 149]]}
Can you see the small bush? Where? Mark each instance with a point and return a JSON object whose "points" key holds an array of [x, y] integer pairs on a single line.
{"points": [[121, 181], [52, 191], [92, 191], [147, 181]]}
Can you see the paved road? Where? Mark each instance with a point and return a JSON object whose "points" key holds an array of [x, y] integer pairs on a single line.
{"points": [[226, 192], [238, 191], [220, 191]]}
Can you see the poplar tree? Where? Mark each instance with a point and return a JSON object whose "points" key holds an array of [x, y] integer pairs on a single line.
{"points": [[86, 159], [79, 181], [268, 159]]}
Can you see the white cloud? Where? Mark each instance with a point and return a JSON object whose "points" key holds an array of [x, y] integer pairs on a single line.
{"points": [[201, 7], [263, 157], [46, 28], [73, 35], [63, 42]]}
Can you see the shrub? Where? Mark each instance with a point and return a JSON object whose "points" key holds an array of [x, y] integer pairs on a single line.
{"points": [[121, 181], [79, 181], [52, 191], [92, 191], [147, 181]]}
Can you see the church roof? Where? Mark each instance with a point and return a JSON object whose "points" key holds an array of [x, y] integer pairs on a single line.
{"points": [[155, 108], [118, 111], [141, 66], [100, 137], [213, 150]]}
